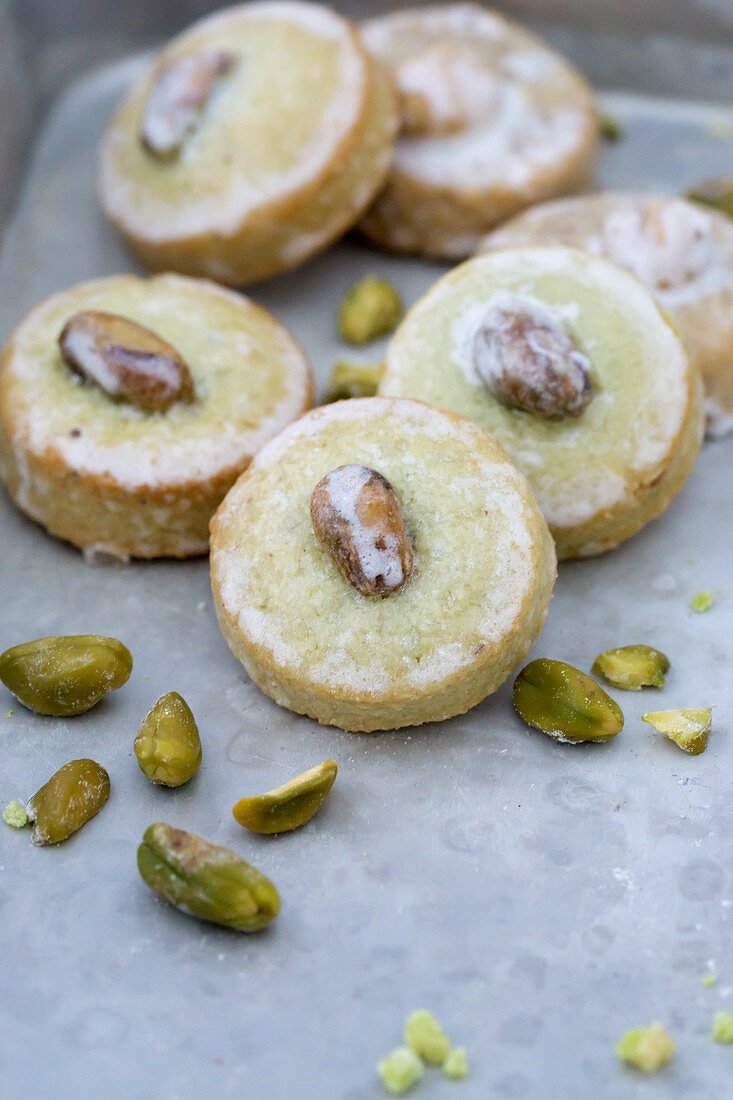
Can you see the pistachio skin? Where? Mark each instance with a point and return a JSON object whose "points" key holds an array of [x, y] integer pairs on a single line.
{"points": [[206, 880], [565, 703], [63, 676], [71, 797], [632, 667], [168, 745], [290, 806]]}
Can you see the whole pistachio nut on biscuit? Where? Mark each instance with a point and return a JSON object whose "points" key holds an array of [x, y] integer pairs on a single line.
{"points": [[178, 98], [526, 359], [63, 676], [565, 703], [125, 359], [206, 880], [357, 519]]}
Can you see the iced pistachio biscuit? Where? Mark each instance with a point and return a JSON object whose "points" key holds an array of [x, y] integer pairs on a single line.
{"points": [[681, 251], [431, 645], [257, 137], [81, 449], [570, 364], [492, 121]]}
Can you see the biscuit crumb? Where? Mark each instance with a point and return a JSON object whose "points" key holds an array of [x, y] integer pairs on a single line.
{"points": [[723, 1027], [15, 815], [426, 1037], [703, 601], [455, 1065], [400, 1070], [646, 1048]]}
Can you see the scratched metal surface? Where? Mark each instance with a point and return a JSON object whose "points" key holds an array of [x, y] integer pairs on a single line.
{"points": [[539, 898]]}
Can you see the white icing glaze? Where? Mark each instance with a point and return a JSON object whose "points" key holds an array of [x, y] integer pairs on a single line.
{"points": [[668, 245], [454, 88], [719, 420]]}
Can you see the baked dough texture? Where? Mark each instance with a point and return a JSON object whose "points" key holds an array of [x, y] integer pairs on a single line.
{"points": [[293, 143], [484, 567], [681, 251], [492, 121], [600, 476], [109, 477]]}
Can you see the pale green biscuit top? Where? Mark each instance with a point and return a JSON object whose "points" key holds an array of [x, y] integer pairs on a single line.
{"points": [[473, 526], [582, 465], [271, 125], [250, 379]]}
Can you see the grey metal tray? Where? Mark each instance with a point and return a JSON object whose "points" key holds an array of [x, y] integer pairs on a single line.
{"points": [[539, 898]]}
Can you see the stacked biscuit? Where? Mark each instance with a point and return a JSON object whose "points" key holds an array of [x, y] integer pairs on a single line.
{"points": [[386, 561]]}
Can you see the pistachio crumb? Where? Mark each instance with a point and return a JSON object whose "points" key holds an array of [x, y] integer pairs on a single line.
{"points": [[646, 1048], [352, 380], [400, 1070], [426, 1037], [15, 815], [455, 1065], [612, 129], [703, 601], [723, 1027], [370, 308], [10, 714], [708, 980]]}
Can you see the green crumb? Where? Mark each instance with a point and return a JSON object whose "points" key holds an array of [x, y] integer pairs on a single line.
{"points": [[611, 128], [15, 815], [371, 308], [646, 1048], [703, 601], [426, 1037], [10, 714], [687, 728], [400, 1070], [723, 1027], [708, 981], [455, 1065]]}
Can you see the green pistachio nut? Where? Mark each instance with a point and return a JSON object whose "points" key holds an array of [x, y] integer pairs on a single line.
{"points": [[717, 193], [565, 703], [611, 128], [206, 880], [647, 1049], [632, 667], [66, 675], [73, 795], [371, 308], [426, 1037], [687, 728], [168, 746], [290, 806], [352, 380]]}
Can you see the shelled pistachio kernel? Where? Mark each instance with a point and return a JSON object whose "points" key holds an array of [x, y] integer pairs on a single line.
{"points": [[352, 380], [168, 746], [565, 703], [723, 1027], [646, 1048], [71, 797], [290, 806], [632, 667], [15, 815], [400, 1070], [426, 1037], [717, 193], [455, 1065], [687, 728], [370, 308], [63, 676], [703, 601], [611, 128], [206, 880]]}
